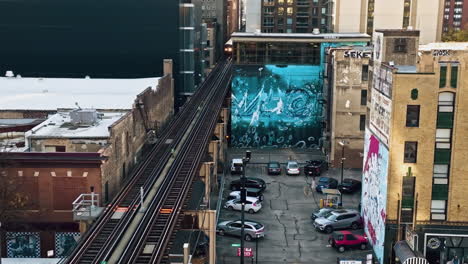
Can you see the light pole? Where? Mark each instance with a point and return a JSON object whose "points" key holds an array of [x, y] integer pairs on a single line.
{"points": [[243, 194], [342, 144], [1, 245]]}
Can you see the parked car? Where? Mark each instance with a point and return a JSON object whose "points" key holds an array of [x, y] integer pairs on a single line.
{"points": [[237, 167], [342, 240], [349, 186], [338, 219], [250, 182], [326, 183], [251, 192], [292, 168], [321, 212], [274, 168], [252, 229], [315, 167], [252, 205]]}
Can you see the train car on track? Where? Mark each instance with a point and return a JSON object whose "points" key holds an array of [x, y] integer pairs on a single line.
{"points": [[228, 48]]}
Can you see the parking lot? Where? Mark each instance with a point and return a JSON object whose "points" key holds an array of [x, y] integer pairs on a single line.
{"points": [[289, 201]]}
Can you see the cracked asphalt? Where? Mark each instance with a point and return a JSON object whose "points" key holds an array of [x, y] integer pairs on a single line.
{"points": [[289, 202]]}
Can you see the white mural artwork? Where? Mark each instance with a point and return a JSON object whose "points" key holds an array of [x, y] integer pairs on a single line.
{"points": [[374, 192]]}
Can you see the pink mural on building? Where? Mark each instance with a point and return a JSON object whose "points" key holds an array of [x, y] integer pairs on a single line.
{"points": [[374, 192]]}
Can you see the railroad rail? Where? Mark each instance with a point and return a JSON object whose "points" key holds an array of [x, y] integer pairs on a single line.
{"points": [[148, 243], [99, 242]]}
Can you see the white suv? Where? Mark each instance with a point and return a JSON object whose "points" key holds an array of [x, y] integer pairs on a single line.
{"points": [[252, 205]]}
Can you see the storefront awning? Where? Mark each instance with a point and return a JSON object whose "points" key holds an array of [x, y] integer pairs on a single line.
{"points": [[406, 255]]}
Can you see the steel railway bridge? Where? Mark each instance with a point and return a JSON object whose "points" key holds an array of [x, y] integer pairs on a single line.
{"points": [[129, 231]]}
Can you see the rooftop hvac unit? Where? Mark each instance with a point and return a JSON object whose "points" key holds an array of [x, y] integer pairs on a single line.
{"points": [[84, 117]]}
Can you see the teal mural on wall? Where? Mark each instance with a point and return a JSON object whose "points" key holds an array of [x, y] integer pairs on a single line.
{"points": [[279, 106], [276, 106]]}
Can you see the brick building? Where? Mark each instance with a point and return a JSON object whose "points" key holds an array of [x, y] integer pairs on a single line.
{"points": [[455, 15], [288, 16], [71, 150], [347, 82], [414, 155]]}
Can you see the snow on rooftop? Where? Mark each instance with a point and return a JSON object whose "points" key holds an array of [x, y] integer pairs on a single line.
{"points": [[20, 93], [59, 126], [406, 68], [444, 45]]}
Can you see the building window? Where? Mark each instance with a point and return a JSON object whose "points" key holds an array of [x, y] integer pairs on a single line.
{"points": [[445, 110], [438, 209], [289, 21], [268, 10], [412, 115], [440, 174], [280, 2], [290, 2], [365, 73], [280, 11], [363, 97], [280, 21], [314, 11], [400, 45], [289, 11], [362, 122], [411, 152], [454, 76], [443, 76], [443, 136]]}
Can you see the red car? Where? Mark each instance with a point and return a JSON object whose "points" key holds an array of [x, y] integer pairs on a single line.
{"points": [[342, 240]]}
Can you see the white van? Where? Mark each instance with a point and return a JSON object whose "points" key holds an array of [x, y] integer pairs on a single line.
{"points": [[236, 166]]}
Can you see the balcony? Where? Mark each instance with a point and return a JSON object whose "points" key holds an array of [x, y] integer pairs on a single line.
{"points": [[302, 25], [302, 3], [302, 14]]}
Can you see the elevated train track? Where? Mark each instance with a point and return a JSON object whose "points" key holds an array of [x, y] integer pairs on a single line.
{"points": [[189, 132]]}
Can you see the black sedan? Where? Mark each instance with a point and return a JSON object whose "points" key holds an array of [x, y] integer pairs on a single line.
{"points": [[315, 167], [250, 182], [274, 168], [349, 186], [326, 183]]}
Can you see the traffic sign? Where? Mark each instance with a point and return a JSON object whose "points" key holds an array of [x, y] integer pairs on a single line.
{"points": [[247, 252], [235, 245]]}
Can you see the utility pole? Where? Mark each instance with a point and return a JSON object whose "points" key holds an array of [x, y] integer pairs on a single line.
{"points": [[245, 160], [342, 144]]}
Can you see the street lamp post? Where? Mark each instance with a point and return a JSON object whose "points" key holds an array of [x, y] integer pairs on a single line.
{"points": [[1, 245], [342, 144], [243, 194]]}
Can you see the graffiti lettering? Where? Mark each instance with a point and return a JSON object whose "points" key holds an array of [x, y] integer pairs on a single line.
{"points": [[356, 54], [439, 53]]}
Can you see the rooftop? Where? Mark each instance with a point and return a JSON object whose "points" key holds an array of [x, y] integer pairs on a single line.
{"points": [[20, 93], [445, 46], [406, 68], [60, 126], [300, 36]]}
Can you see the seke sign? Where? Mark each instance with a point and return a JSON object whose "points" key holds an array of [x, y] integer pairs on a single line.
{"points": [[357, 54]]}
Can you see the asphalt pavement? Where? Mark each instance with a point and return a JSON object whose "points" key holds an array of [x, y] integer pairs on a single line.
{"points": [[289, 201]]}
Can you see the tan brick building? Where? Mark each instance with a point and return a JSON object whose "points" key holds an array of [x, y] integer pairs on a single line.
{"points": [[347, 81], [415, 168]]}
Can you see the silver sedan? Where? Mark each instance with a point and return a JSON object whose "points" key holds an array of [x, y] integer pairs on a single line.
{"points": [[252, 229]]}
